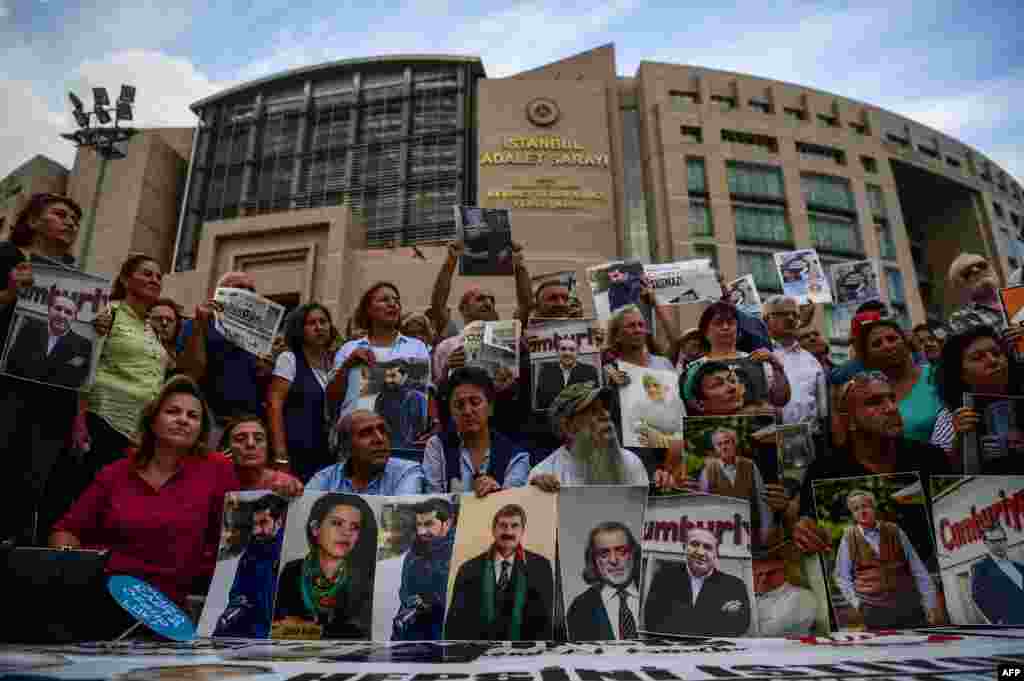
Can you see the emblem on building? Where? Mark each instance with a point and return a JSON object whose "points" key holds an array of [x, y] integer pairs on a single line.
{"points": [[542, 111]]}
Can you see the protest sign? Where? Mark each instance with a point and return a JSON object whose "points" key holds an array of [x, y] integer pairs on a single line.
{"points": [[599, 533], [562, 352], [996, 445], [979, 538], [651, 406], [1013, 307], [397, 389], [856, 282], [565, 279], [51, 338], [150, 606], [615, 285], [494, 347], [690, 537], [883, 569], [802, 276], [487, 236], [248, 320], [686, 281], [743, 294], [796, 445]]}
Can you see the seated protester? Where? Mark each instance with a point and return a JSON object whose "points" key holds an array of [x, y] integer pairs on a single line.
{"points": [[882, 345], [872, 442], [233, 379], [718, 325], [245, 441], [380, 312], [592, 455], [367, 466], [974, 361], [472, 455], [158, 511], [930, 337]]}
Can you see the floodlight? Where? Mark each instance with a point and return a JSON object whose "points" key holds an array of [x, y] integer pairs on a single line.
{"points": [[124, 111], [127, 94], [81, 118], [76, 102], [103, 115], [100, 97]]}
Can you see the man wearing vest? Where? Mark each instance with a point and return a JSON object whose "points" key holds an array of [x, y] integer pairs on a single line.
{"points": [[997, 583], [472, 456], [879, 572], [505, 593]]}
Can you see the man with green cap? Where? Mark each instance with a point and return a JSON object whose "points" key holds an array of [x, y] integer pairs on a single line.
{"points": [[591, 454]]}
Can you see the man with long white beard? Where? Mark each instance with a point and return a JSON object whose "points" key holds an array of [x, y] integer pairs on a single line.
{"points": [[592, 454], [977, 284]]}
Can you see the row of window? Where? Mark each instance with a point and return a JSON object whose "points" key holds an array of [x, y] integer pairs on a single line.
{"points": [[688, 100]]}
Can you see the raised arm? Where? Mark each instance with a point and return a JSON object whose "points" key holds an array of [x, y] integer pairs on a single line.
{"points": [[524, 288], [438, 310], [193, 360]]}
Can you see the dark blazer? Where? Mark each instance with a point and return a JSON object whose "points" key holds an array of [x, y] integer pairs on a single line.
{"points": [[463, 621], [550, 382], [995, 594], [668, 610], [587, 618], [67, 365]]}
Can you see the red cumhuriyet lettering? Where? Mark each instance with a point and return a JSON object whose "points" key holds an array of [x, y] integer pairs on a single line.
{"points": [[955, 534]]}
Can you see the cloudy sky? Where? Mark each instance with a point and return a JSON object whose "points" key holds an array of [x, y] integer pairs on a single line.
{"points": [[957, 66]]}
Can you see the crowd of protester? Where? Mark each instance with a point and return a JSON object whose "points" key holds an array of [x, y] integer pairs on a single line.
{"points": [[177, 416]]}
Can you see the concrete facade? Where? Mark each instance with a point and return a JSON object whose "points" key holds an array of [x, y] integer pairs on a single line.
{"points": [[594, 166], [38, 175]]}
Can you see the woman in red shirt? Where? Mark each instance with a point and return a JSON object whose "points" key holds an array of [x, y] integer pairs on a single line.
{"points": [[158, 511]]}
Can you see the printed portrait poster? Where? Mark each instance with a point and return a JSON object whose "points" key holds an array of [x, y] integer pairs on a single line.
{"points": [[1013, 306], [792, 596], [415, 539], [694, 536], [617, 284], [996, 446], [240, 602], [248, 320], [51, 338], [487, 235], [651, 405], [494, 347], [600, 529], [686, 281], [743, 294], [796, 446], [979, 537], [882, 568], [562, 352], [754, 378], [396, 389], [802, 276], [856, 282], [501, 585], [566, 278], [328, 562]]}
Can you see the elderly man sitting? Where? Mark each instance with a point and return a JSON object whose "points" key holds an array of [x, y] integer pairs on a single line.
{"points": [[592, 455], [368, 467]]}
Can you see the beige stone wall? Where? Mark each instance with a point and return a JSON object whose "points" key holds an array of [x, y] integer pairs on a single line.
{"points": [[38, 175]]}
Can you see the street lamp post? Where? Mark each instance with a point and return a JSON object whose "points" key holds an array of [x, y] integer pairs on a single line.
{"points": [[104, 139]]}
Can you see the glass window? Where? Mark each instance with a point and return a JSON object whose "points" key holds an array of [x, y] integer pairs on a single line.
{"points": [[765, 142], [827, 121], [820, 151], [827, 192], [761, 224], [761, 105], [837, 322], [870, 164], [834, 233], [692, 134], [753, 180], [706, 251], [795, 114], [998, 210], [700, 218], [886, 244], [683, 101], [859, 128], [696, 178], [894, 279], [762, 266], [724, 103], [953, 161], [928, 151], [877, 201]]}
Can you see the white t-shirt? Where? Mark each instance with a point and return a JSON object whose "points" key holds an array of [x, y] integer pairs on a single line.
{"points": [[563, 466], [284, 367]]}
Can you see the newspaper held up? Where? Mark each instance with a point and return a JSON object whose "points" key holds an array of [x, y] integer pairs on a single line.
{"points": [[565, 278], [51, 338], [494, 347], [856, 282], [562, 352], [487, 235], [686, 281], [743, 294], [248, 320], [618, 284], [802, 276]]}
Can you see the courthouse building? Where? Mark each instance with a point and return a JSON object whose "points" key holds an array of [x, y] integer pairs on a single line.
{"points": [[322, 178]]}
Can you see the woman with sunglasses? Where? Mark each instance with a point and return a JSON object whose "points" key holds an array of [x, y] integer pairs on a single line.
{"points": [[37, 418]]}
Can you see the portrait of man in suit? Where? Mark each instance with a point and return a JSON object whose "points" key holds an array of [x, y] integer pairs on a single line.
{"points": [[505, 593], [51, 352], [609, 609], [997, 583], [694, 597], [555, 376]]}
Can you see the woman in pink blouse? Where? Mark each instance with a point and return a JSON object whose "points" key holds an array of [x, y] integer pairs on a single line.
{"points": [[245, 441], [158, 511]]}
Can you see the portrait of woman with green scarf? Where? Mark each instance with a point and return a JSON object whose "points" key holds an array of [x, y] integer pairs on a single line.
{"points": [[329, 593]]}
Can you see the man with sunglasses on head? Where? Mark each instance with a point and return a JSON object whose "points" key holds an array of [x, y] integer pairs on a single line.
{"points": [[869, 439], [233, 380]]}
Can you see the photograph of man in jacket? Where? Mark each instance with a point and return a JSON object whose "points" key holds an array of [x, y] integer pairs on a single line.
{"points": [[609, 609], [51, 352], [505, 593]]}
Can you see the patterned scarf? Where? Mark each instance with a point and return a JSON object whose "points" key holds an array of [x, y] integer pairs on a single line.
{"points": [[319, 592], [519, 593]]}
